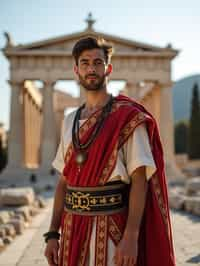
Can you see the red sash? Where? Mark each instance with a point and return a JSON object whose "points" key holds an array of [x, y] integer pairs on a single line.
{"points": [[155, 241]]}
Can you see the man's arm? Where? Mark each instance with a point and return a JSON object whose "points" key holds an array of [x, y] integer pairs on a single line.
{"points": [[126, 251], [58, 204], [52, 247], [137, 199]]}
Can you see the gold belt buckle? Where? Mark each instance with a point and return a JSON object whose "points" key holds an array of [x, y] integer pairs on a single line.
{"points": [[80, 201]]}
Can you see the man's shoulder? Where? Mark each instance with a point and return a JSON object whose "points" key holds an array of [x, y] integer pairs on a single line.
{"points": [[69, 118], [124, 102]]}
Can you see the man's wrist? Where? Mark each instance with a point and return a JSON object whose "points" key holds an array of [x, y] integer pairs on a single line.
{"points": [[51, 235], [131, 233]]}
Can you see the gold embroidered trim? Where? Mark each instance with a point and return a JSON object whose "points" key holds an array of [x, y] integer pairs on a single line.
{"points": [[68, 226], [128, 129], [114, 231], [101, 241], [160, 200], [109, 166]]}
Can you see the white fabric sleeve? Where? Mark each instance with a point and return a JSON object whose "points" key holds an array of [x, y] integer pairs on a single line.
{"points": [[58, 163], [137, 152]]}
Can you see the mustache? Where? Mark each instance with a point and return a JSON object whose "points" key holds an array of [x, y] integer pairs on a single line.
{"points": [[92, 76]]}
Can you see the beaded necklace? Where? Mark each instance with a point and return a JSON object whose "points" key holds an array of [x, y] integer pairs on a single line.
{"points": [[81, 148]]}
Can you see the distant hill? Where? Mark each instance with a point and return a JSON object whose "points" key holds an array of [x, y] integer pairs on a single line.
{"points": [[182, 94]]}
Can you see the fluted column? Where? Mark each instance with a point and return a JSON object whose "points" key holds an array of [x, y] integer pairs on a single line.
{"points": [[131, 89], [16, 135], [166, 122], [167, 132], [48, 142]]}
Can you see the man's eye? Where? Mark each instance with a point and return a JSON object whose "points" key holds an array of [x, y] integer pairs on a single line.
{"points": [[98, 63]]}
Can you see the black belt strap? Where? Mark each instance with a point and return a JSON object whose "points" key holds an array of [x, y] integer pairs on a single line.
{"points": [[107, 199]]}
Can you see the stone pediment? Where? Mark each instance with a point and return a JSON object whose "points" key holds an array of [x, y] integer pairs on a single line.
{"points": [[65, 43]]}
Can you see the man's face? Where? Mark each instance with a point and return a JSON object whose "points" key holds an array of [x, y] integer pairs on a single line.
{"points": [[92, 69]]}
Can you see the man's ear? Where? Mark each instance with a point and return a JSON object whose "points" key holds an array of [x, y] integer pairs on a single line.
{"points": [[76, 69], [109, 69]]}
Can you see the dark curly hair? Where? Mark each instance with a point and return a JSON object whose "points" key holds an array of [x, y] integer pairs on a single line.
{"points": [[90, 43]]}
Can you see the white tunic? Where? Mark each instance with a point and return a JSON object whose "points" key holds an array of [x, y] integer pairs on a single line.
{"points": [[135, 152]]}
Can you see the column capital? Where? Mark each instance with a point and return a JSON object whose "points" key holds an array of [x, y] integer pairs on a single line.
{"points": [[166, 85], [14, 83], [49, 83]]}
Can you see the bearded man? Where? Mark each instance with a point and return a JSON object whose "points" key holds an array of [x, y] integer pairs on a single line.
{"points": [[111, 203]]}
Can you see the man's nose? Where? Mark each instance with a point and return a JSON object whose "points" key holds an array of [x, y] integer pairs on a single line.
{"points": [[91, 68]]}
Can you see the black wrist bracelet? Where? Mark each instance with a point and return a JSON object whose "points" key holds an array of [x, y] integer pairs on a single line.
{"points": [[51, 235]]}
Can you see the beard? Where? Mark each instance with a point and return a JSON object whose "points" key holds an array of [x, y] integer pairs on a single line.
{"points": [[92, 85]]}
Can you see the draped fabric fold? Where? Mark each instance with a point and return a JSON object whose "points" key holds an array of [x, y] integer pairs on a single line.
{"points": [[155, 241]]}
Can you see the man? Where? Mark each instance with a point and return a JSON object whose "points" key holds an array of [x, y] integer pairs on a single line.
{"points": [[111, 198]]}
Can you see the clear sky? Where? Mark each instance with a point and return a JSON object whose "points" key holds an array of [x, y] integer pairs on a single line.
{"points": [[154, 22]]}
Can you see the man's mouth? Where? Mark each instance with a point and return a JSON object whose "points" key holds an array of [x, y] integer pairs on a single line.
{"points": [[92, 77]]}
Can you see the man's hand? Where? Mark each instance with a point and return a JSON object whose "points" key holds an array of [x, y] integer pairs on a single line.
{"points": [[51, 252], [127, 250]]}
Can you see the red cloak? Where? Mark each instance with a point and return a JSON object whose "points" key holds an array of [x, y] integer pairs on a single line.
{"points": [[155, 247]]}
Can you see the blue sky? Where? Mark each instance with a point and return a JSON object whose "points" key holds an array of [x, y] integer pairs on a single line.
{"points": [[154, 22]]}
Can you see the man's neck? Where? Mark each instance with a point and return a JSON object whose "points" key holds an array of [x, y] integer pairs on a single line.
{"points": [[95, 99]]}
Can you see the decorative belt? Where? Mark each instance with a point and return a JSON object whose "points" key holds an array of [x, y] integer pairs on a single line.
{"points": [[108, 199]]}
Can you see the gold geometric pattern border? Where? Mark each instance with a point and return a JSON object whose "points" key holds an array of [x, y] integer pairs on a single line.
{"points": [[109, 166], [101, 241], [114, 231], [159, 197], [68, 226], [128, 129]]}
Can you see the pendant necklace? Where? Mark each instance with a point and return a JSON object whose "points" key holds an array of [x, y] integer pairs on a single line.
{"points": [[81, 148]]}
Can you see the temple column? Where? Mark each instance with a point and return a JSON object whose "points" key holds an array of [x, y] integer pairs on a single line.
{"points": [[131, 89], [48, 142], [31, 132], [167, 131], [16, 135], [25, 128], [166, 122]]}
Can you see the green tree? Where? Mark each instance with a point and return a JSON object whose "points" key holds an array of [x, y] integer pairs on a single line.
{"points": [[181, 137], [194, 127]]}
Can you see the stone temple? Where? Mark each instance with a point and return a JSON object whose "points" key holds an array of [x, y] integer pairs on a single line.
{"points": [[36, 114]]}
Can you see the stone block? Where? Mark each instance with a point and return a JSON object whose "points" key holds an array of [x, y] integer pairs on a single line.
{"points": [[196, 209], [4, 217], [176, 201], [25, 212], [10, 229], [7, 240], [34, 211], [2, 231], [189, 204], [19, 225], [2, 245], [41, 202], [193, 186], [17, 196]]}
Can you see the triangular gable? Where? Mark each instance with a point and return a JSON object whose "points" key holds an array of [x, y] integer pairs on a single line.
{"points": [[65, 43]]}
